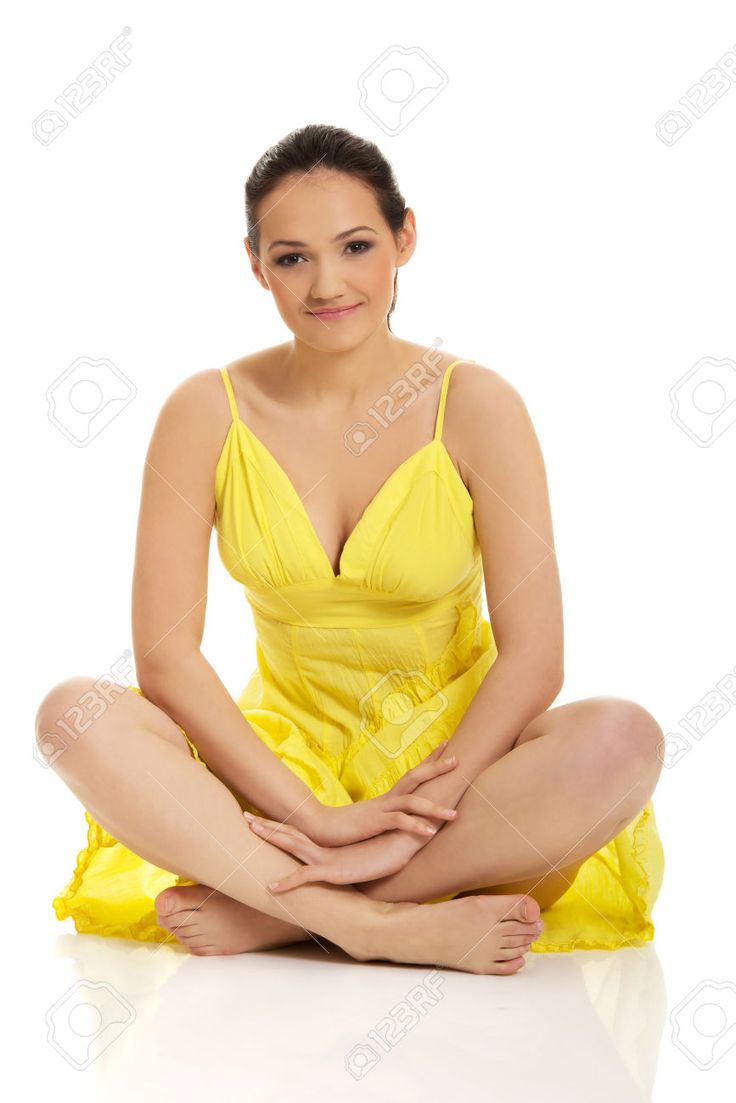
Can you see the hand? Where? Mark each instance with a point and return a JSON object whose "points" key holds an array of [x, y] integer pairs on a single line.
{"points": [[351, 823], [340, 865]]}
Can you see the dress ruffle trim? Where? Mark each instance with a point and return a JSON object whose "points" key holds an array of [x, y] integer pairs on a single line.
{"points": [[641, 928], [641, 851], [146, 929]]}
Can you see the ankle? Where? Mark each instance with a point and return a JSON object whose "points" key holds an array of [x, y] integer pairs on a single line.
{"points": [[378, 937]]}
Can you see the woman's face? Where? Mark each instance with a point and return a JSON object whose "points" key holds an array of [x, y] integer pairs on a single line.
{"points": [[324, 244]]}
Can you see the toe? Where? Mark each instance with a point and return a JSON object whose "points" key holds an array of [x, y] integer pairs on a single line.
{"points": [[517, 940], [512, 926], [190, 896], [509, 953], [183, 926], [179, 898], [511, 966], [165, 902], [527, 909]]}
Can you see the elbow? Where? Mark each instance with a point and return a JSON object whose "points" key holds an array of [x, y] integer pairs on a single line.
{"points": [[150, 680], [556, 683], [544, 672], [155, 675], [551, 675]]}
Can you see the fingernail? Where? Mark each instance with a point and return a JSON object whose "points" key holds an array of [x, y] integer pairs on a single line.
{"points": [[451, 811], [430, 830], [248, 815], [274, 884], [452, 758]]}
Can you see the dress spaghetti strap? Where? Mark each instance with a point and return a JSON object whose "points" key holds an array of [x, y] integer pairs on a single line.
{"points": [[230, 394], [443, 397]]}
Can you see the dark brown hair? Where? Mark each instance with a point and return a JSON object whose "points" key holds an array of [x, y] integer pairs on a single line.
{"points": [[327, 147]]}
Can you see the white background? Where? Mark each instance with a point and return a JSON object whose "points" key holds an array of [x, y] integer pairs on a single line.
{"points": [[561, 243]]}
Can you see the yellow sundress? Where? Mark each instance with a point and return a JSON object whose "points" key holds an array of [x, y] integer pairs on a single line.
{"points": [[361, 674]]}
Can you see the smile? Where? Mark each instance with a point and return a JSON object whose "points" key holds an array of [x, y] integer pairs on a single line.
{"points": [[340, 312]]}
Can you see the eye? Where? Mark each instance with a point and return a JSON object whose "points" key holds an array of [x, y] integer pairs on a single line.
{"points": [[366, 245], [285, 259], [282, 260]]}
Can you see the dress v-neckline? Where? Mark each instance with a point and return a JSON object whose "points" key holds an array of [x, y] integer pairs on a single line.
{"points": [[435, 442], [299, 502]]}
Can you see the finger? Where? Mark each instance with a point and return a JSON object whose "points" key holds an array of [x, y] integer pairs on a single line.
{"points": [[271, 824], [429, 768], [423, 806], [423, 772], [420, 806], [438, 750], [277, 825], [408, 823], [301, 848], [302, 876]]}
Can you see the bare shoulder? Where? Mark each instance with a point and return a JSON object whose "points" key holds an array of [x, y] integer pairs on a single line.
{"points": [[486, 416], [197, 395], [479, 392], [197, 409]]}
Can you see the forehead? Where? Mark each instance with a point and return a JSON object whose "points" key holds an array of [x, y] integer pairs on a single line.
{"points": [[316, 206]]}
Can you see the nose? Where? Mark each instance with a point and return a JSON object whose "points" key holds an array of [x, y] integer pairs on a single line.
{"points": [[327, 285]]}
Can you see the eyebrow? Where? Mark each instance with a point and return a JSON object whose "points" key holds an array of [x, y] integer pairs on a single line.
{"points": [[339, 237]]}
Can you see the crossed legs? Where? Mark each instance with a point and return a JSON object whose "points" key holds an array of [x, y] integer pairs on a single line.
{"points": [[576, 775], [130, 766]]}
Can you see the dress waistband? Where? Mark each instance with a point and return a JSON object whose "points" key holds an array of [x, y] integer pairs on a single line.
{"points": [[343, 604]]}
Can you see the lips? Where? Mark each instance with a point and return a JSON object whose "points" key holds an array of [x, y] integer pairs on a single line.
{"points": [[336, 312]]}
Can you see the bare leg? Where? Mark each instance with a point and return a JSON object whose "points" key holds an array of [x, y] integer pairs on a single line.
{"points": [[576, 776], [584, 756], [151, 795]]}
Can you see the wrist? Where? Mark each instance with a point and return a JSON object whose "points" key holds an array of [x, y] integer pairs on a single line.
{"points": [[448, 789], [309, 815]]}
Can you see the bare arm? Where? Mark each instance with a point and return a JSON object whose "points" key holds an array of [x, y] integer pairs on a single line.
{"points": [[177, 512], [502, 463]]}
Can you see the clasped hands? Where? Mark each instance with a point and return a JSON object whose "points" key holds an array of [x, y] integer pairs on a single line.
{"points": [[358, 842]]}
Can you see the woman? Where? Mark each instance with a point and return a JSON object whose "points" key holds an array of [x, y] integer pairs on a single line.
{"points": [[362, 502]]}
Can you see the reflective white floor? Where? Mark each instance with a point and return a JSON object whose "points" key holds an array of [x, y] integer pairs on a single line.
{"points": [[298, 1023]]}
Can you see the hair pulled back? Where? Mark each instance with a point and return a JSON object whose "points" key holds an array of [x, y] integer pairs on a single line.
{"points": [[326, 147]]}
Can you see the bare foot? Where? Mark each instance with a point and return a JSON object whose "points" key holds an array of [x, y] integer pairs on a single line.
{"points": [[208, 922], [475, 934]]}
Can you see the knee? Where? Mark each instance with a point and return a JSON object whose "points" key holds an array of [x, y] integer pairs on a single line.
{"points": [[69, 709], [625, 729]]}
